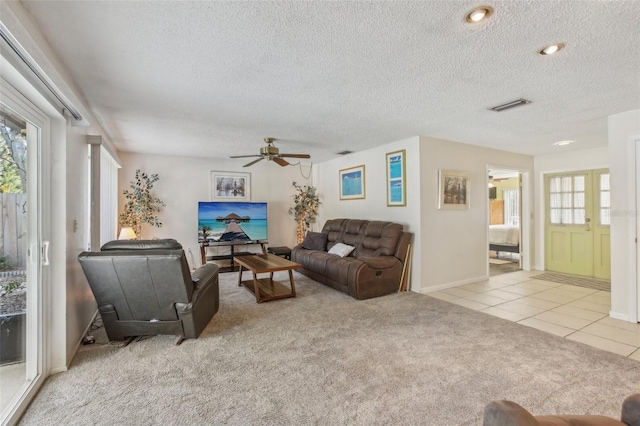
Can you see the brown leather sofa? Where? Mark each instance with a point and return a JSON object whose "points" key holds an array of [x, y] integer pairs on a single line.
{"points": [[508, 413], [373, 269], [144, 287]]}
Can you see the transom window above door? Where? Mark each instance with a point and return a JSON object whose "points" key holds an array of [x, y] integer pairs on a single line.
{"points": [[567, 200]]}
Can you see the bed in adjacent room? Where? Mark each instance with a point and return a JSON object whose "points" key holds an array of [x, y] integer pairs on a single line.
{"points": [[504, 238]]}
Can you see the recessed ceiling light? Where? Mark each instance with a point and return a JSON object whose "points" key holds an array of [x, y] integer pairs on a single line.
{"points": [[563, 143], [551, 49], [479, 14]]}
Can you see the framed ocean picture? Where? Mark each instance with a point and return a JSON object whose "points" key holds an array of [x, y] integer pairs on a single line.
{"points": [[352, 183], [396, 181]]}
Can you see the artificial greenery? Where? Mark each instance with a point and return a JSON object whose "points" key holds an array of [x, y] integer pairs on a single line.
{"points": [[141, 206], [305, 210]]}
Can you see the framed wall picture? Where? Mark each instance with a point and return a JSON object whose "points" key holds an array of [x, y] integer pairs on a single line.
{"points": [[396, 182], [352, 183], [454, 190], [227, 186]]}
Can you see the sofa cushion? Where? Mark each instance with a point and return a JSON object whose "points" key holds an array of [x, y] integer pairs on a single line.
{"points": [[353, 232], [379, 239], [333, 228], [315, 241], [342, 250]]}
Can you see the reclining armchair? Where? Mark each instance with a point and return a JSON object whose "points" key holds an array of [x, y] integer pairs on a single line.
{"points": [[144, 288]]}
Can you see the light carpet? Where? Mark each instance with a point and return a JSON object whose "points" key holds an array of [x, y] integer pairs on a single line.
{"points": [[324, 358]]}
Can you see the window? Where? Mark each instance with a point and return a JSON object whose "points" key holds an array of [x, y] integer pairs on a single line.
{"points": [[605, 199], [511, 206], [567, 200]]}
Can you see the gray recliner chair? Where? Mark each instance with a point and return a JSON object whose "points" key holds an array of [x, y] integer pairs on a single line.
{"points": [[143, 287]]}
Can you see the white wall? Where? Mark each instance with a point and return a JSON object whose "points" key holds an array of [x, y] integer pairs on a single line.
{"points": [[584, 159], [186, 180], [374, 206], [624, 130], [455, 242]]}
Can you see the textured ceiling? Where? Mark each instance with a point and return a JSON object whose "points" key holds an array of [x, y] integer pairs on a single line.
{"points": [[212, 79]]}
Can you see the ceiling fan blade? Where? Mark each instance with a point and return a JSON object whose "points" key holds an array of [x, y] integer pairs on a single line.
{"points": [[244, 156], [281, 161], [253, 162], [295, 155]]}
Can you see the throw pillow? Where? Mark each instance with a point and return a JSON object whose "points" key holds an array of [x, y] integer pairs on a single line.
{"points": [[341, 250], [315, 241]]}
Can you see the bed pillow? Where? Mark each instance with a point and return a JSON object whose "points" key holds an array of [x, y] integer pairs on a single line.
{"points": [[341, 250], [315, 241]]}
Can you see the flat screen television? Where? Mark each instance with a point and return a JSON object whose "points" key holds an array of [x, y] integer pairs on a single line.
{"points": [[233, 221]]}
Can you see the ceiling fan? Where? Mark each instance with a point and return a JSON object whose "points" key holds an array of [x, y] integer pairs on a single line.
{"points": [[271, 152]]}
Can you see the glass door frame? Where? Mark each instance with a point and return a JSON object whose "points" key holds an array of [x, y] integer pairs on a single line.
{"points": [[38, 295]]}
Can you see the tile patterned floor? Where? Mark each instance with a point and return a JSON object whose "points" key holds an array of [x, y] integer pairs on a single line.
{"points": [[569, 311]]}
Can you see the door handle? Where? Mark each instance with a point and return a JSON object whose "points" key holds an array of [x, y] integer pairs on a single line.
{"points": [[45, 253]]}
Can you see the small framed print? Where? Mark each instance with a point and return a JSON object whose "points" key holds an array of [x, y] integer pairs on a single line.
{"points": [[227, 186], [396, 181], [352, 183], [454, 190]]}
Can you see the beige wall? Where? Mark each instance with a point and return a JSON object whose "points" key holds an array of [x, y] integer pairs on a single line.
{"points": [[450, 247], [186, 180], [374, 205], [455, 242]]}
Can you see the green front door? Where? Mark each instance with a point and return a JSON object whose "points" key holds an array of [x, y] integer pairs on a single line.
{"points": [[577, 223]]}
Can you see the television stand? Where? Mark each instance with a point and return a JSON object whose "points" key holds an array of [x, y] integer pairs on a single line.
{"points": [[233, 245]]}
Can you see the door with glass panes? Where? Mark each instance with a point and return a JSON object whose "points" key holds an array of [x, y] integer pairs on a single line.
{"points": [[577, 237]]}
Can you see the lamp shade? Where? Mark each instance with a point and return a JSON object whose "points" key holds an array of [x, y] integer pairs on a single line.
{"points": [[126, 233]]}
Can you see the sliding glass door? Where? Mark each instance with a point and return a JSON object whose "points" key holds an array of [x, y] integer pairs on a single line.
{"points": [[22, 254]]}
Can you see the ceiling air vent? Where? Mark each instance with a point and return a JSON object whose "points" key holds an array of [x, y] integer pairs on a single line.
{"points": [[344, 152], [511, 104]]}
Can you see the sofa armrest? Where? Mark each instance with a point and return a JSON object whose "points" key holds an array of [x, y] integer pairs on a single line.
{"points": [[379, 262], [631, 410]]}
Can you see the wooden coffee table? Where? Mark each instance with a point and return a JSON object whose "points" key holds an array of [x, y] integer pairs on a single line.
{"points": [[265, 288]]}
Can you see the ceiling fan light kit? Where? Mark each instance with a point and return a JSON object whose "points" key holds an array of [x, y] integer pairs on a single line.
{"points": [[271, 153]]}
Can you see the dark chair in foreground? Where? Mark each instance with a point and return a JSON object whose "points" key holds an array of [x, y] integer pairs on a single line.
{"points": [[144, 288], [507, 413]]}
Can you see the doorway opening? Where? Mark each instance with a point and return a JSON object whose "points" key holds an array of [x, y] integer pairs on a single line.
{"points": [[505, 207]]}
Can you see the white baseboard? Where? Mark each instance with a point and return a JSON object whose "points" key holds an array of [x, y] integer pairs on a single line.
{"points": [[454, 284], [75, 350], [619, 316]]}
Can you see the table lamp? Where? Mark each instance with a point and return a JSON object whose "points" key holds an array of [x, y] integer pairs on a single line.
{"points": [[126, 233]]}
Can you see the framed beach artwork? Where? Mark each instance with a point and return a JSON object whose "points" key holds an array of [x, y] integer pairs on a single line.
{"points": [[454, 190], [227, 186], [396, 181], [352, 183]]}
